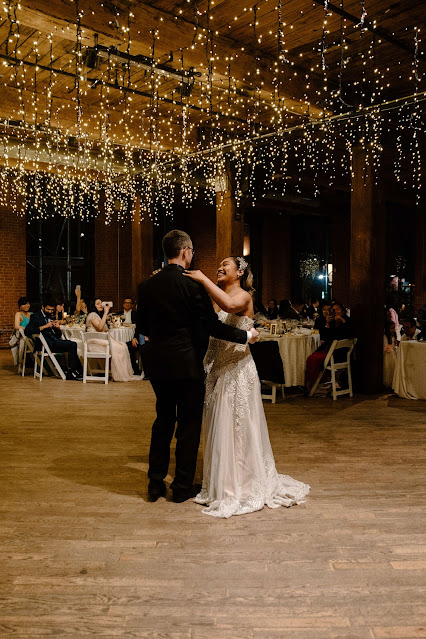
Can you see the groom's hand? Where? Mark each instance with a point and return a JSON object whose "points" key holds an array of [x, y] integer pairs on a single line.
{"points": [[254, 336]]}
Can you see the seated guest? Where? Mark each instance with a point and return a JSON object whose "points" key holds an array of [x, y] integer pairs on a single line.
{"points": [[337, 326], [272, 310], [44, 322], [421, 321], [259, 314], [121, 368], [300, 308], [392, 316], [81, 306], [320, 321], [410, 329], [22, 317], [129, 316], [390, 344], [313, 308], [59, 311], [287, 312]]}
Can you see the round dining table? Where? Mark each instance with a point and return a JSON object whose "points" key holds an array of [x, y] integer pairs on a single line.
{"points": [[120, 334], [409, 379], [123, 333], [294, 350]]}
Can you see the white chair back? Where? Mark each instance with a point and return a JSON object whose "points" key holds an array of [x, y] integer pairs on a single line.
{"points": [[333, 366], [93, 350], [28, 347], [46, 353]]}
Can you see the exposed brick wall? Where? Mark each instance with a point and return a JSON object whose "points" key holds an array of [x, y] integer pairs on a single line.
{"points": [[12, 269], [113, 260], [276, 256]]}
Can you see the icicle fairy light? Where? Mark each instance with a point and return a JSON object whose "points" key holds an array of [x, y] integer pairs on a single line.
{"points": [[171, 130]]}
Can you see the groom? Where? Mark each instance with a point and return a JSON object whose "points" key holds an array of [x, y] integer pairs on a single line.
{"points": [[177, 315]]}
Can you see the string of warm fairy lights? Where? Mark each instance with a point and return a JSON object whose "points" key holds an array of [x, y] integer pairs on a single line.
{"points": [[156, 140]]}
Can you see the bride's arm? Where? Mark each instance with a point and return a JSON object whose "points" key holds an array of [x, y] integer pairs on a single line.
{"points": [[236, 304]]}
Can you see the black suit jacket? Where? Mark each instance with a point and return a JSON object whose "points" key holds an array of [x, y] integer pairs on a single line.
{"points": [[38, 319], [134, 317], [177, 316]]}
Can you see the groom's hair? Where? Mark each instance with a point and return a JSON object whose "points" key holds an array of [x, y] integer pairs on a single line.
{"points": [[174, 242]]}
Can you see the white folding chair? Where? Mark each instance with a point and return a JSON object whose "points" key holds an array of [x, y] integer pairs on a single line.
{"points": [[25, 347], [96, 354], [267, 358], [331, 365], [28, 348], [46, 353], [273, 395]]}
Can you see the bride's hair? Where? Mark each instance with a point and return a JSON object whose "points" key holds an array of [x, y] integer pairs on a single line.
{"points": [[246, 280]]}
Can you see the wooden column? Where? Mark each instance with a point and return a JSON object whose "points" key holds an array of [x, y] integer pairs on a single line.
{"points": [[229, 223], [420, 261], [367, 273], [338, 209], [276, 258], [142, 247]]}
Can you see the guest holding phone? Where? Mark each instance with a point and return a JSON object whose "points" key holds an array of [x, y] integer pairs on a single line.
{"points": [[81, 306], [121, 367]]}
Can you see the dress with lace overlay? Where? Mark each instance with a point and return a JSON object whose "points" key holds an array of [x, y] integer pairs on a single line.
{"points": [[239, 474]]}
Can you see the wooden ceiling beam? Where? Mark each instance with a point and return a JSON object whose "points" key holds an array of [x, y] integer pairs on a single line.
{"points": [[378, 31], [64, 117], [57, 17]]}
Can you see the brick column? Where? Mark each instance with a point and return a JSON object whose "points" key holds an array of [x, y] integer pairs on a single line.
{"points": [[113, 260], [367, 273], [13, 269], [276, 256]]}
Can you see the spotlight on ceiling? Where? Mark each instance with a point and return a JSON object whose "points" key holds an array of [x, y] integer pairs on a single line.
{"points": [[91, 59], [185, 88]]}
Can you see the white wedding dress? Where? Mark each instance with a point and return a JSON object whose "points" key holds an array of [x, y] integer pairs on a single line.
{"points": [[239, 473], [121, 366]]}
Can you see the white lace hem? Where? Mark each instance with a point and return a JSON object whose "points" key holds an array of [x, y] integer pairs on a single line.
{"points": [[289, 492]]}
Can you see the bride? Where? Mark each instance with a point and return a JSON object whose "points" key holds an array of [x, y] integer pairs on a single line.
{"points": [[239, 474]]}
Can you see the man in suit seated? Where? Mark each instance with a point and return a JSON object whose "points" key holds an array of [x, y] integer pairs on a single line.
{"points": [[44, 322], [129, 316], [287, 311], [411, 332]]}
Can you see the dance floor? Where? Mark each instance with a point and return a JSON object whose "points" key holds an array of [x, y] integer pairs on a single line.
{"points": [[84, 554]]}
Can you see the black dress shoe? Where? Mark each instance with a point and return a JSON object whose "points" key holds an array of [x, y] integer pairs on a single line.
{"points": [[156, 490], [183, 495], [74, 375]]}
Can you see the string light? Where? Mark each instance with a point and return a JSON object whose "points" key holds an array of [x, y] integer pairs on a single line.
{"points": [[266, 121]]}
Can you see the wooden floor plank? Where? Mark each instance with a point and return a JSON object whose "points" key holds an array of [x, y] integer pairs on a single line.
{"points": [[84, 554]]}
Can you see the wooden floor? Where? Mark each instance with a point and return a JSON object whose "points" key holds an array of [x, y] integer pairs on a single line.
{"points": [[83, 554]]}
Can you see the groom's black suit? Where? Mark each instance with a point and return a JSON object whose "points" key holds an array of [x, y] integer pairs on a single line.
{"points": [[177, 315]]}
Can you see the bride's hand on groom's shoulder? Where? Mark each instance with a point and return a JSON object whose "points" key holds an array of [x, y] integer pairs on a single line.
{"points": [[198, 276]]}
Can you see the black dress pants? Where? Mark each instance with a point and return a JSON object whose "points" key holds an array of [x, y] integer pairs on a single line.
{"points": [[133, 352], [66, 346], [181, 401]]}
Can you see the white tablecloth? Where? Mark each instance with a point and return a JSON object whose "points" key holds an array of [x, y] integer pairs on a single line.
{"points": [[294, 351], [409, 380], [72, 332], [122, 334]]}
